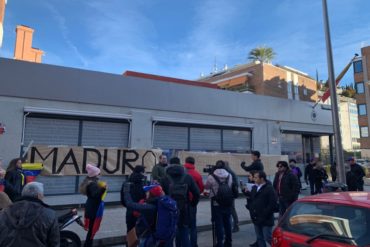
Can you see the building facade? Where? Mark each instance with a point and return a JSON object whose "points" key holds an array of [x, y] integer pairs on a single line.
{"points": [[361, 69], [57, 106], [266, 79]]}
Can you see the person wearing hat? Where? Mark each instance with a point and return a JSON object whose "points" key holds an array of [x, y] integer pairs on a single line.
{"points": [[355, 176], [95, 191], [137, 180], [148, 210]]}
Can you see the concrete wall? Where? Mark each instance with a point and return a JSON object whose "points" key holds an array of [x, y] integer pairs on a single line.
{"points": [[61, 89]]}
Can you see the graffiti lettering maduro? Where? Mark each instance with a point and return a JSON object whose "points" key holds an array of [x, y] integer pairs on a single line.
{"points": [[73, 160]]}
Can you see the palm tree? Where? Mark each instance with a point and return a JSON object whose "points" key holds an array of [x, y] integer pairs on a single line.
{"points": [[262, 53]]}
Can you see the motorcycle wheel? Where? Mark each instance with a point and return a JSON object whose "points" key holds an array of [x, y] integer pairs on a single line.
{"points": [[69, 239]]}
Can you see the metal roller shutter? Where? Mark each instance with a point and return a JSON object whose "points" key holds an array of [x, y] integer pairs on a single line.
{"points": [[170, 137], [236, 141], [105, 134], [204, 139]]}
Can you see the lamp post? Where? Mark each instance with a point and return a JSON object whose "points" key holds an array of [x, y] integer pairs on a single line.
{"points": [[333, 98]]}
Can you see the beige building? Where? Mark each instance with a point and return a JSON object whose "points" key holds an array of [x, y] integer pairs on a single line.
{"points": [[266, 79], [2, 13]]}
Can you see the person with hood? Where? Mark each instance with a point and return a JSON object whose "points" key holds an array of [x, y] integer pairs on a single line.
{"points": [[190, 169], [221, 203], [14, 179], [355, 176], [95, 191], [286, 186], [29, 221], [256, 164], [158, 171], [263, 202], [178, 185], [137, 180]]}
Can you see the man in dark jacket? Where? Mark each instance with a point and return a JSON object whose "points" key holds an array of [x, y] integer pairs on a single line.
{"points": [[286, 186], [262, 205], [137, 180], [256, 164], [158, 171], [309, 175], [176, 179], [355, 176], [29, 222]]}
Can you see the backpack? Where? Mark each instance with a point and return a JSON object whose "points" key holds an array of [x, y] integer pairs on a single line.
{"points": [[167, 217], [179, 192], [224, 196]]}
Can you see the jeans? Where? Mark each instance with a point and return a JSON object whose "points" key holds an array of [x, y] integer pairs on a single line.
{"points": [[264, 234], [312, 187], [222, 221], [234, 215], [182, 236], [193, 227], [283, 206]]}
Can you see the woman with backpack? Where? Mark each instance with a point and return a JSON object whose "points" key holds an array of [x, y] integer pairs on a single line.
{"points": [[95, 191], [158, 216]]}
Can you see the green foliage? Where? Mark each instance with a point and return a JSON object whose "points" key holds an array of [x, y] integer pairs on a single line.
{"points": [[262, 53]]}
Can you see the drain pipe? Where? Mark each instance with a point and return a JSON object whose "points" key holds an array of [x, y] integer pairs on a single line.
{"points": [[22, 153]]}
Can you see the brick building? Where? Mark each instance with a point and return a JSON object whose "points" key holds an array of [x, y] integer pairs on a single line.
{"points": [[266, 79], [361, 69]]}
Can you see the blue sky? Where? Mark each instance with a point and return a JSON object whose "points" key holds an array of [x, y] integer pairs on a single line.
{"points": [[184, 38]]}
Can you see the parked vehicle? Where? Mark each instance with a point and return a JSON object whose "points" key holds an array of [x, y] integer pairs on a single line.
{"points": [[326, 220], [69, 238]]}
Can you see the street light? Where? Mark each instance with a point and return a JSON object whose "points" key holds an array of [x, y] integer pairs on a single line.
{"points": [[333, 98]]}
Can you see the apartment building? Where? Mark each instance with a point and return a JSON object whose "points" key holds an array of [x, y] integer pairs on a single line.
{"points": [[266, 79], [361, 69]]}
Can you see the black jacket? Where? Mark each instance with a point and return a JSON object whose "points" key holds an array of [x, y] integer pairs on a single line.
{"points": [[289, 186], [15, 182], [28, 222], [354, 177], [309, 172], [176, 172], [262, 205], [255, 166], [94, 193]]}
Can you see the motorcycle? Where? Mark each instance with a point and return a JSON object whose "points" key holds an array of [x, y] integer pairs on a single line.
{"points": [[69, 238]]}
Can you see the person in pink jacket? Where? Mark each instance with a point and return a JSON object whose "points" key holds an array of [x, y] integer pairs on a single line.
{"points": [[190, 168]]}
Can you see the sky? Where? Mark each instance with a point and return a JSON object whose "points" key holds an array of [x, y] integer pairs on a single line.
{"points": [[187, 38]]}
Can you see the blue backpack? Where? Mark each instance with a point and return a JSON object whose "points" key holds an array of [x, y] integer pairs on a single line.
{"points": [[167, 216]]}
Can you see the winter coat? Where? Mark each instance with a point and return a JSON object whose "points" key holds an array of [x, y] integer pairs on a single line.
{"points": [[159, 172], [289, 186], [176, 172], [255, 166], [14, 183], [309, 172], [262, 205], [211, 183], [355, 177], [29, 222], [190, 169], [94, 192]]}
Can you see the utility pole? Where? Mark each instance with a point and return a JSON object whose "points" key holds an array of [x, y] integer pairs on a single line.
{"points": [[333, 98]]}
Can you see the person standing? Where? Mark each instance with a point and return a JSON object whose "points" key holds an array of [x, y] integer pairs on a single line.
{"points": [[320, 176], [220, 185], [355, 176], [256, 163], [234, 214], [296, 171], [14, 179], [190, 168], [95, 191], [333, 171], [137, 182], [262, 205], [179, 185], [158, 171], [29, 221], [286, 186], [309, 176]]}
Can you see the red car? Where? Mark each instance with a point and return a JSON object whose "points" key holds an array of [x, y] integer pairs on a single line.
{"points": [[326, 220]]}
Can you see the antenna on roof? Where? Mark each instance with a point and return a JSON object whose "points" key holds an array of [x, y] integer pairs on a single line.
{"points": [[215, 66]]}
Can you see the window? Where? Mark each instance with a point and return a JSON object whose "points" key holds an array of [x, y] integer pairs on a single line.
{"points": [[357, 66], [305, 91], [289, 85], [296, 92], [362, 109], [364, 131], [360, 87]]}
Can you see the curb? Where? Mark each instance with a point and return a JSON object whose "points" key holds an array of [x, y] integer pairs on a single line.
{"points": [[121, 240]]}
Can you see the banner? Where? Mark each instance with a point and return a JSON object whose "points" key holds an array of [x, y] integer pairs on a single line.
{"points": [[202, 159], [59, 161]]}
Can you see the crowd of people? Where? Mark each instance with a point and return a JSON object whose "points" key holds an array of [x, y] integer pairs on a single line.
{"points": [[162, 211]]}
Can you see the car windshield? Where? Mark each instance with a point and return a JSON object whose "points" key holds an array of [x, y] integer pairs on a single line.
{"points": [[313, 219]]}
